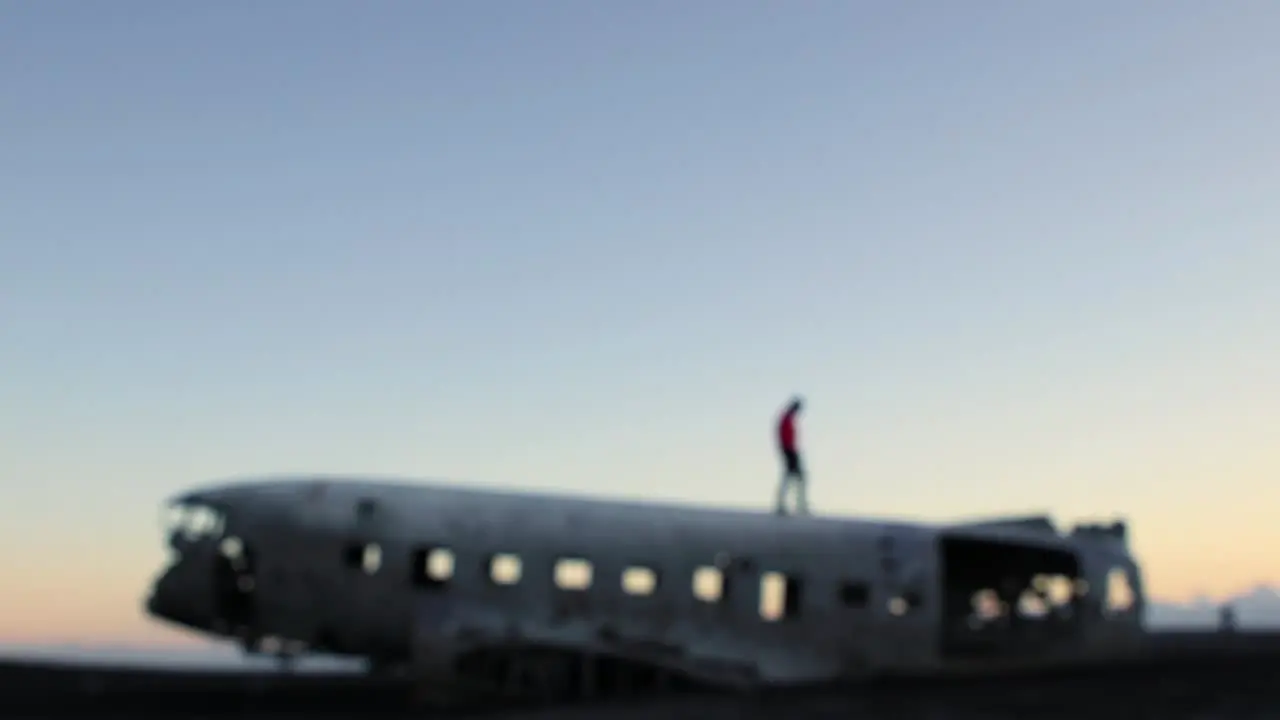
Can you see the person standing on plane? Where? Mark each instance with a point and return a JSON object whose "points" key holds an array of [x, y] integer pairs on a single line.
{"points": [[793, 469]]}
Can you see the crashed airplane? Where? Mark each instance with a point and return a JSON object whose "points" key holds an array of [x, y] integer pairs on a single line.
{"points": [[548, 593]]}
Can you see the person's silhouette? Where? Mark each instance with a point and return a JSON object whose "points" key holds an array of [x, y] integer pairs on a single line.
{"points": [[793, 468]]}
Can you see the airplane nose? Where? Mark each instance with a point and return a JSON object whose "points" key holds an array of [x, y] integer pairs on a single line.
{"points": [[173, 597], [160, 601], [159, 605]]}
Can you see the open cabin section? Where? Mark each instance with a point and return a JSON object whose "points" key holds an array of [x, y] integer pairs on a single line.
{"points": [[1019, 589]]}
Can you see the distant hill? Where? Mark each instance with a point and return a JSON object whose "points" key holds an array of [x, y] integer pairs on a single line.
{"points": [[1257, 609]]}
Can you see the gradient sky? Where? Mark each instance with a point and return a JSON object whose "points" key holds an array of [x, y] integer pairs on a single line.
{"points": [[1017, 255]]}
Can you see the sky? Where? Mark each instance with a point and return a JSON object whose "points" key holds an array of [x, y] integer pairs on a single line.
{"points": [[1016, 256]]}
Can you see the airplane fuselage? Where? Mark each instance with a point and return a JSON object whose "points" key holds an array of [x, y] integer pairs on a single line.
{"points": [[428, 572]]}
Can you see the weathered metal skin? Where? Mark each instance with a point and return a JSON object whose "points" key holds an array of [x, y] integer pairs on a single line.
{"points": [[405, 574]]}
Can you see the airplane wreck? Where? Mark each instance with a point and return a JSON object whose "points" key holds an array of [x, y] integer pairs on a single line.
{"points": [[487, 592]]}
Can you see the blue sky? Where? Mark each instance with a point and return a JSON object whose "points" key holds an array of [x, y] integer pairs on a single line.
{"points": [[1016, 255]]}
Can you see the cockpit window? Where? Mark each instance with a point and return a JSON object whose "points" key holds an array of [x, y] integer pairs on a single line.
{"points": [[194, 520]]}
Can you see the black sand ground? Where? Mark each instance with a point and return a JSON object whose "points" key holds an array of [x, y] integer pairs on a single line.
{"points": [[1187, 675]]}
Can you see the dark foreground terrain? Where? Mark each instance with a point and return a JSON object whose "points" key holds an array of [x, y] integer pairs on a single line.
{"points": [[1185, 675]]}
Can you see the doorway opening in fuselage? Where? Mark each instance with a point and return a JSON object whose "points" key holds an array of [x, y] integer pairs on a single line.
{"points": [[235, 584], [1002, 599]]}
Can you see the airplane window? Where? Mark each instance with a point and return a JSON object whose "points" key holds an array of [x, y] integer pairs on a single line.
{"points": [[232, 547], [1055, 588], [432, 567], [173, 518], [504, 569], [573, 574], [638, 580], [440, 564], [193, 520], [779, 596], [708, 584], [772, 589], [371, 560], [1119, 591], [202, 521]]}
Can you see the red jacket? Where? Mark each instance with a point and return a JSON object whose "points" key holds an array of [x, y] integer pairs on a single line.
{"points": [[787, 430]]}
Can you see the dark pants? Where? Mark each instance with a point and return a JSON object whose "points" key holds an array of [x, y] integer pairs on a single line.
{"points": [[793, 474], [791, 463]]}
